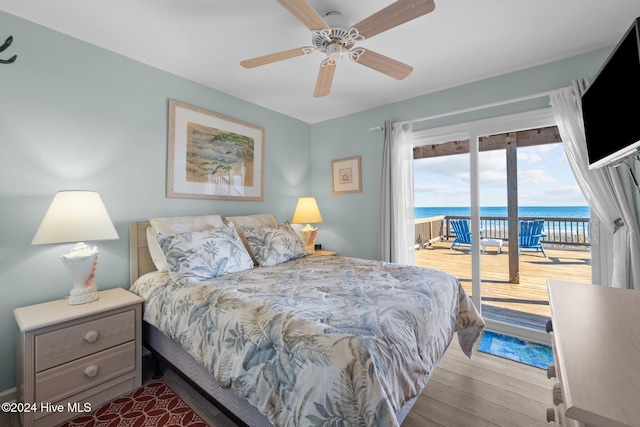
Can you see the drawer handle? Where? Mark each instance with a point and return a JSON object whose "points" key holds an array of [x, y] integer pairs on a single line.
{"points": [[551, 415], [549, 326], [91, 371], [91, 336], [557, 394], [551, 371]]}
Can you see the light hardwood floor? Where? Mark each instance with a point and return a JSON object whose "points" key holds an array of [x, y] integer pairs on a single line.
{"points": [[484, 391]]}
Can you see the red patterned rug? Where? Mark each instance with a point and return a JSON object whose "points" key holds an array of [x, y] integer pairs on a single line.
{"points": [[153, 405]]}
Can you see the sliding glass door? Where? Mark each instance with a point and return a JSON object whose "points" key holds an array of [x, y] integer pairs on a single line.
{"points": [[502, 169], [441, 197]]}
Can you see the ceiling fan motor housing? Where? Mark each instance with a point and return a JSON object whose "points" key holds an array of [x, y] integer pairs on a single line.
{"points": [[340, 35]]}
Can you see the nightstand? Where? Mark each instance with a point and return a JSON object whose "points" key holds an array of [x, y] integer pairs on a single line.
{"points": [[74, 358], [325, 252]]}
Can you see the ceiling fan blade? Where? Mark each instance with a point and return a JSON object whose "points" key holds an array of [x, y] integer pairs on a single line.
{"points": [[393, 15], [381, 63], [274, 57], [305, 13], [325, 78]]}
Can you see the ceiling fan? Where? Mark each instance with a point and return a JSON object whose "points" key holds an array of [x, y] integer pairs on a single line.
{"points": [[334, 36]]}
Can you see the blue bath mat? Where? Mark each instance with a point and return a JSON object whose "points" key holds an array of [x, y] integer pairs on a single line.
{"points": [[529, 353]]}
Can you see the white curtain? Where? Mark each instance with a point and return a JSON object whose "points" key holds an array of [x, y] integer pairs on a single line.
{"points": [[397, 231], [608, 190]]}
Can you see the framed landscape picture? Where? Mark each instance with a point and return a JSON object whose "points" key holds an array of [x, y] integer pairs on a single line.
{"points": [[213, 156], [346, 175]]}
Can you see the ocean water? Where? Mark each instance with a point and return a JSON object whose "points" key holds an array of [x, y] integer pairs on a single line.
{"points": [[523, 211]]}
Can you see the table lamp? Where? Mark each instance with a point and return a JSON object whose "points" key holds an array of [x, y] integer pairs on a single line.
{"points": [[77, 216], [307, 212]]}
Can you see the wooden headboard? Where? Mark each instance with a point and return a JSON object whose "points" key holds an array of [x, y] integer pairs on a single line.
{"points": [[140, 260]]}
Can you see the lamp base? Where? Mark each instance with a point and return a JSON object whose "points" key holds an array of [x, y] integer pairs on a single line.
{"points": [[309, 235], [83, 295], [81, 264]]}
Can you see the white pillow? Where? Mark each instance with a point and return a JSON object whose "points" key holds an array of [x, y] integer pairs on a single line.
{"points": [[274, 245], [201, 255], [155, 251], [252, 220], [176, 225]]}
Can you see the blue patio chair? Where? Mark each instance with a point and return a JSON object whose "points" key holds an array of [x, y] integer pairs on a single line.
{"points": [[463, 232], [530, 235]]}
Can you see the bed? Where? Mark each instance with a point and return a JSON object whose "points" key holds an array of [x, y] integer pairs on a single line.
{"points": [[311, 340]]}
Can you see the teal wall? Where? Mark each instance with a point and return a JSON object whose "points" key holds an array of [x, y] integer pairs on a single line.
{"points": [[75, 116], [351, 220]]}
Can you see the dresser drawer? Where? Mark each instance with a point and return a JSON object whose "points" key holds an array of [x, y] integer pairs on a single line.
{"points": [[73, 377], [75, 341]]}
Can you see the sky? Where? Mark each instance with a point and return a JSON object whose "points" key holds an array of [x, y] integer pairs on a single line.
{"points": [[544, 179]]}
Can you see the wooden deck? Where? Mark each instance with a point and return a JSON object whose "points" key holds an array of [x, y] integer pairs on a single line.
{"points": [[530, 295]]}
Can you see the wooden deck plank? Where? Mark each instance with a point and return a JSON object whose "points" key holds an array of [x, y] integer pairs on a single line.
{"points": [[530, 295]]}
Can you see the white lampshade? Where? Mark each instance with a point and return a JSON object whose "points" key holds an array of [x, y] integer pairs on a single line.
{"points": [[307, 211], [75, 216]]}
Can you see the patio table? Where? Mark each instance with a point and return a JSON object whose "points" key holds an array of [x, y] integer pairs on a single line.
{"points": [[497, 243]]}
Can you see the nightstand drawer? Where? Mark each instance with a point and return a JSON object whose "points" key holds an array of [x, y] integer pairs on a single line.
{"points": [[76, 341], [74, 377], [58, 344]]}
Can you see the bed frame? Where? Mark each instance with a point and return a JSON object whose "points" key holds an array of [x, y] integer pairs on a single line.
{"points": [[170, 352]]}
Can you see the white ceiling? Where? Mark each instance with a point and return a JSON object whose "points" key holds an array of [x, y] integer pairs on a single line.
{"points": [[459, 42]]}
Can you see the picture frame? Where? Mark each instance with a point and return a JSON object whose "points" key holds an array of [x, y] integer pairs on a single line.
{"points": [[211, 156], [346, 175]]}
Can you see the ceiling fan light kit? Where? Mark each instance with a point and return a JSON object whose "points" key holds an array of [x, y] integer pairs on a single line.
{"points": [[334, 51], [335, 36]]}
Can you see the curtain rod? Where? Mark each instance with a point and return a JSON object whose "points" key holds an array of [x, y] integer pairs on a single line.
{"points": [[470, 109]]}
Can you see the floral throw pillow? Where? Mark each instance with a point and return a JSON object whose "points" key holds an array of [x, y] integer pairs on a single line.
{"points": [[272, 245], [202, 255], [176, 225]]}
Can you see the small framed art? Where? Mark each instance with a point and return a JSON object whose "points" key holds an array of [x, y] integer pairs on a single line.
{"points": [[346, 175], [213, 156]]}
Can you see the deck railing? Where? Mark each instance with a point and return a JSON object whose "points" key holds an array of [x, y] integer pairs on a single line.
{"points": [[560, 231], [430, 230]]}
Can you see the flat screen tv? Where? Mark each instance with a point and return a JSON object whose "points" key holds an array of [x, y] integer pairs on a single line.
{"points": [[611, 104]]}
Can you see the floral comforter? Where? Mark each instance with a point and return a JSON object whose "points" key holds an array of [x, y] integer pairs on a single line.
{"points": [[318, 340]]}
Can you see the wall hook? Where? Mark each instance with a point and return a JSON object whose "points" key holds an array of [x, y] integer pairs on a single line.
{"points": [[6, 44]]}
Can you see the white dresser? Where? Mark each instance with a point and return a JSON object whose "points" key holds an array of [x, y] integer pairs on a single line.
{"points": [[596, 346], [77, 356]]}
